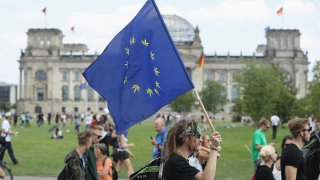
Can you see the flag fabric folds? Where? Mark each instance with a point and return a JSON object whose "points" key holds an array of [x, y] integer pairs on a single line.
{"points": [[44, 10], [201, 60], [140, 70], [280, 12]]}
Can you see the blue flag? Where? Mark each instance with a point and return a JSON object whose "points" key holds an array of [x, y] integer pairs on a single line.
{"points": [[140, 71]]}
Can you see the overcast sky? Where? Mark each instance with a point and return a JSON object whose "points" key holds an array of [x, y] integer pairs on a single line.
{"points": [[225, 25]]}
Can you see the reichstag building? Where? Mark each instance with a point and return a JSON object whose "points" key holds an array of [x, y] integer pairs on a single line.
{"points": [[51, 71]]}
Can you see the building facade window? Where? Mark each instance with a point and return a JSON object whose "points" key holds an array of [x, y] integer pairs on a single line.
{"points": [[38, 109], [41, 75], [222, 76], [65, 93], [5, 93], [90, 97], [77, 93], [208, 75], [234, 94], [77, 76], [40, 94], [65, 76]]}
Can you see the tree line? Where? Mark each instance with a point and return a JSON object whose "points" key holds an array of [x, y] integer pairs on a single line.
{"points": [[264, 89]]}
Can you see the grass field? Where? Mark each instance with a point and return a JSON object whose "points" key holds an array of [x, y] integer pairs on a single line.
{"points": [[40, 156]]}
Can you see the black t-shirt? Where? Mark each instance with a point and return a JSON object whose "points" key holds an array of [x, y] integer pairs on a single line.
{"points": [[292, 156], [264, 173], [178, 168]]}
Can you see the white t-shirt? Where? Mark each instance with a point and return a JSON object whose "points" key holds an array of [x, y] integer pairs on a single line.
{"points": [[6, 127], [88, 120], [275, 120]]}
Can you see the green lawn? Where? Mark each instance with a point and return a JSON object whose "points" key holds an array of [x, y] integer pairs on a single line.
{"points": [[41, 156]]}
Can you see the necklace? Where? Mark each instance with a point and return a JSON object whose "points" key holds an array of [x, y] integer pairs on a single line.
{"points": [[180, 155]]}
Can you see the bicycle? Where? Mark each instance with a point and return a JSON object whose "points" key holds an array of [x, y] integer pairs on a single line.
{"points": [[7, 171]]}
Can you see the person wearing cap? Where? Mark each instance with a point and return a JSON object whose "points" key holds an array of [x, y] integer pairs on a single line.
{"points": [[183, 138], [6, 132], [104, 163]]}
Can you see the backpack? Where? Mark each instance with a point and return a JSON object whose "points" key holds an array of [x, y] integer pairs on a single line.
{"points": [[114, 171], [63, 175]]}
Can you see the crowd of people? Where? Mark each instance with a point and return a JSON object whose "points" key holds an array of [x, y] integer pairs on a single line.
{"points": [[185, 151], [291, 163]]}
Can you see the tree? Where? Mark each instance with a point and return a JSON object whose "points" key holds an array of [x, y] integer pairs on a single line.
{"points": [[314, 90], [183, 103], [213, 96], [260, 88], [5, 106]]}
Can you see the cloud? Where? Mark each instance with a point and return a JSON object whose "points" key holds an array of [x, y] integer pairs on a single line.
{"points": [[169, 9], [97, 29], [298, 8], [232, 11]]}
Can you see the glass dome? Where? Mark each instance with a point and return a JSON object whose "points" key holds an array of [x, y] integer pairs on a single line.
{"points": [[180, 29]]}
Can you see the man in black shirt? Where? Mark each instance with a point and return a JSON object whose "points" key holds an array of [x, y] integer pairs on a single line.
{"points": [[182, 139], [292, 162]]}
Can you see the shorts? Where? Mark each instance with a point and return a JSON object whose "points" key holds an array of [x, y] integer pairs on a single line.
{"points": [[120, 154]]}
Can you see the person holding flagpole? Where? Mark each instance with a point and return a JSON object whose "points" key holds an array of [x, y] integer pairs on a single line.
{"points": [[182, 140]]}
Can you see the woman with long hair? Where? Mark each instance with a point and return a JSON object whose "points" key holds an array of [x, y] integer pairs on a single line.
{"points": [[182, 141]]}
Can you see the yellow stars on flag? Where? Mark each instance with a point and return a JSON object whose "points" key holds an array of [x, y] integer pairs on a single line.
{"points": [[145, 42], [125, 80], [152, 55], [126, 65], [156, 71], [139, 87], [158, 85], [156, 91], [132, 40], [149, 92], [136, 88], [127, 51]]}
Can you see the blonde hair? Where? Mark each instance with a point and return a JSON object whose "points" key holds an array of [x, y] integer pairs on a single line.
{"points": [[267, 152]]}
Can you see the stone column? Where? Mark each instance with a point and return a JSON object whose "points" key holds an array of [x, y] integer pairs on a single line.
{"points": [[20, 84], [71, 86]]}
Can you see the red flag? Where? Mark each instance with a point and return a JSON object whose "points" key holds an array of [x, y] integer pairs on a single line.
{"points": [[280, 12], [72, 28], [201, 60], [44, 10]]}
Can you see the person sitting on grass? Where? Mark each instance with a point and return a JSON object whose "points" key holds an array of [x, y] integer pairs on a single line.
{"points": [[58, 134]]}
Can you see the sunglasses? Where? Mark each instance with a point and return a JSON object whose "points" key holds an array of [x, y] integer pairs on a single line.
{"points": [[309, 130], [99, 136]]}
